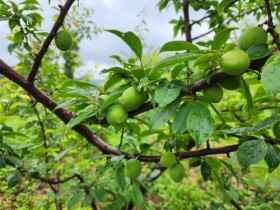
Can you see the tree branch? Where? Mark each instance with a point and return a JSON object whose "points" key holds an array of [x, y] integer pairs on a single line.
{"points": [[271, 26], [187, 25], [53, 181], [48, 40]]}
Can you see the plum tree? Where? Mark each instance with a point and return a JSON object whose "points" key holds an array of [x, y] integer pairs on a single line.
{"points": [[213, 93], [177, 172], [63, 40], [133, 168], [132, 99], [235, 62], [231, 83], [116, 115], [167, 159], [252, 36]]}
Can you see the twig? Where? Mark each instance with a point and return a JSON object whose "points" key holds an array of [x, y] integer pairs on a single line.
{"points": [[53, 181], [235, 204], [271, 26], [37, 61]]}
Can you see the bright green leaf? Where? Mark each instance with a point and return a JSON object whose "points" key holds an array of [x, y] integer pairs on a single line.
{"points": [[271, 77], [272, 158], [221, 38], [165, 94], [178, 46]]}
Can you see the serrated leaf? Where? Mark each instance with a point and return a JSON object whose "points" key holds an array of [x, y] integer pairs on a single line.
{"points": [[178, 46], [258, 51], [179, 125], [111, 99], [131, 39], [74, 200], [251, 152], [272, 158], [89, 111], [265, 123], [165, 94], [247, 93], [221, 38], [271, 77], [200, 124], [205, 170], [162, 115]]}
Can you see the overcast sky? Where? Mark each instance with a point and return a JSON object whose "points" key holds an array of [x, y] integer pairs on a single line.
{"points": [[111, 14]]}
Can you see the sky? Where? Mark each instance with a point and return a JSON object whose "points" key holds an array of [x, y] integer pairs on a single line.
{"points": [[111, 14]]}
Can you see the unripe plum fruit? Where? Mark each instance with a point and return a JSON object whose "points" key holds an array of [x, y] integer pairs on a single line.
{"points": [[132, 99], [167, 159], [63, 40], [133, 168], [231, 83], [116, 115], [213, 93], [235, 62], [252, 36], [177, 172]]}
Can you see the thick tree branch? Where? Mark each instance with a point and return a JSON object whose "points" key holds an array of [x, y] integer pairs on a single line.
{"points": [[48, 40], [271, 26], [187, 25]]}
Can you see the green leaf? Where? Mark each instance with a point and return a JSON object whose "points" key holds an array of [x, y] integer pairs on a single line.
{"points": [[271, 77], [111, 99], [89, 111], [205, 171], [13, 179], [258, 51], [174, 60], [18, 37], [221, 38], [76, 84], [112, 81], [223, 5], [67, 104], [74, 200], [2, 162], [200, 124], [161, 115], [272, 158], [165, 94], [179, 125], [246, 91], [265, 123], [13, 46], [178, 46], [116, 70], [229, 166], [33, 174], [137, 196], [131, 39], [120, 177], [251, 152], [242, 130]]}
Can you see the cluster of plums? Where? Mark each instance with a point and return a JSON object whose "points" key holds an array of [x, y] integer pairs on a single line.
{"points": [[133, 167], [131, 99], [233, 62]]}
